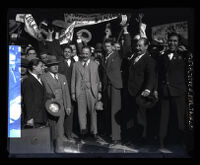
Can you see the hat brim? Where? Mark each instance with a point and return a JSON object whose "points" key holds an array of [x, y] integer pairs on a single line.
{"points": [[53, 63], [49, 103]]}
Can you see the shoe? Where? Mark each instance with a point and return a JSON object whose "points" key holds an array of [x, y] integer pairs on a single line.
{"points": [[116, 142], [59, 149]]}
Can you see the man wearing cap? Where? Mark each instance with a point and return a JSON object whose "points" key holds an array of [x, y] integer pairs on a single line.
{"points": [[56, 87], [85, 88]]}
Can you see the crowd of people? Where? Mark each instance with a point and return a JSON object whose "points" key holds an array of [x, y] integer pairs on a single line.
{"points": [[143, 89]]}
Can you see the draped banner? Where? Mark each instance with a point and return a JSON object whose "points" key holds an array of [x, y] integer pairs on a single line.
{"points": [[160, 32], [88, 19], [31, 27], [67, 35]]}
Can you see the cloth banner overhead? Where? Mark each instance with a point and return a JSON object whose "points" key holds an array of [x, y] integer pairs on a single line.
{"points": [[31, 27], [67, 35], [88, 19], [160, 32]]}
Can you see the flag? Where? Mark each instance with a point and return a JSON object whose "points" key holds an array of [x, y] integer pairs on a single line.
{"points": [[31, 27], [67, 35]]}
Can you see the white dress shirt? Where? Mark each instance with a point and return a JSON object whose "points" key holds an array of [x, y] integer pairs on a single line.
{"points": [[86, 63], [68, 62], [170, 55]]}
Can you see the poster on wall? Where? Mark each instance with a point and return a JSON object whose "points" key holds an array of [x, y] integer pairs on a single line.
{"points": [[159, 33]]}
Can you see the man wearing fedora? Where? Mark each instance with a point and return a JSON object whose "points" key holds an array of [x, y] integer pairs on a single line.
{"points": [[85, 88], [56, 87]]}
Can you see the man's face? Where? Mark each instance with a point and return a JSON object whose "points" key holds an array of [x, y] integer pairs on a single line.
{"points": [[31, 54], [39, 68], [141, 48], [43, 57], [117, 46], [53, 69], [173, 43], [67, 53], [85, 54], [74, 51], [108, 47]]}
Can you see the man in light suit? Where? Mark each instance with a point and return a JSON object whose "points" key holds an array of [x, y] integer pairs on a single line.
{"points": [[85, 87], [57, 87]]}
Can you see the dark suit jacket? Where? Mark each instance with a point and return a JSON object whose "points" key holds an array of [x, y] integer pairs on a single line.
{"points": [[64, 69], [142, 75], [33, 99], [113, 70], [172, 75]]}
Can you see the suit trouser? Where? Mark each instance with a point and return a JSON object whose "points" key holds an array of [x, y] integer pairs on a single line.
{"points": [[172, 106], [86, 101], [68, 122], [139, 115], [114, 96], [57, 128]]}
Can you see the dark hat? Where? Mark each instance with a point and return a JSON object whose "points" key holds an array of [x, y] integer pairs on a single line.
{"points": [[98, 47], [52, 60], [24, 63], [146, 102], [60, 24], [53, 107]]}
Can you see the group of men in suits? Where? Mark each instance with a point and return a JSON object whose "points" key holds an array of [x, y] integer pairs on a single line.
{"points": [[79, 84]]}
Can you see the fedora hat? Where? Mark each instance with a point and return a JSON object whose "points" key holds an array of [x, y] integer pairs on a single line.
{"points": [[52, 60], [53, 107], [146, 102]]}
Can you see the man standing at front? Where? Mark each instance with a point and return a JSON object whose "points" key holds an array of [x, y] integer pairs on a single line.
{"points": [[57, 87], [85, 87]]}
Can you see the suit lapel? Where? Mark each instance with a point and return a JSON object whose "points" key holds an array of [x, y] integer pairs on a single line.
{"points": [[110, 60], [36, 81]]}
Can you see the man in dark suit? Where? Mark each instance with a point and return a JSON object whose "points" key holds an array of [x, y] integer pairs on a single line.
{"points": [[65, 67], [33, 92], [172, 91], [141, 81], [56, 86], [112, 91]]}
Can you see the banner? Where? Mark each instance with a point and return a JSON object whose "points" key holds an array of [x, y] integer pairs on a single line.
{"points": [[31, 27], [88, 19], [20, 18], [67, 35], [160, 32]]}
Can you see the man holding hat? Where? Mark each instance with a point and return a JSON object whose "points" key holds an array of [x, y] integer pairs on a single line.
{"points": [[57, 89]]}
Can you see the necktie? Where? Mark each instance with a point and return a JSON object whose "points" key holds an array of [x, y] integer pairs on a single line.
{"points": [[56, 77]]}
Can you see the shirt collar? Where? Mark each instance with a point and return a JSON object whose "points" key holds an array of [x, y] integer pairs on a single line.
{"points": [[87, 62], [53, 75]]}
